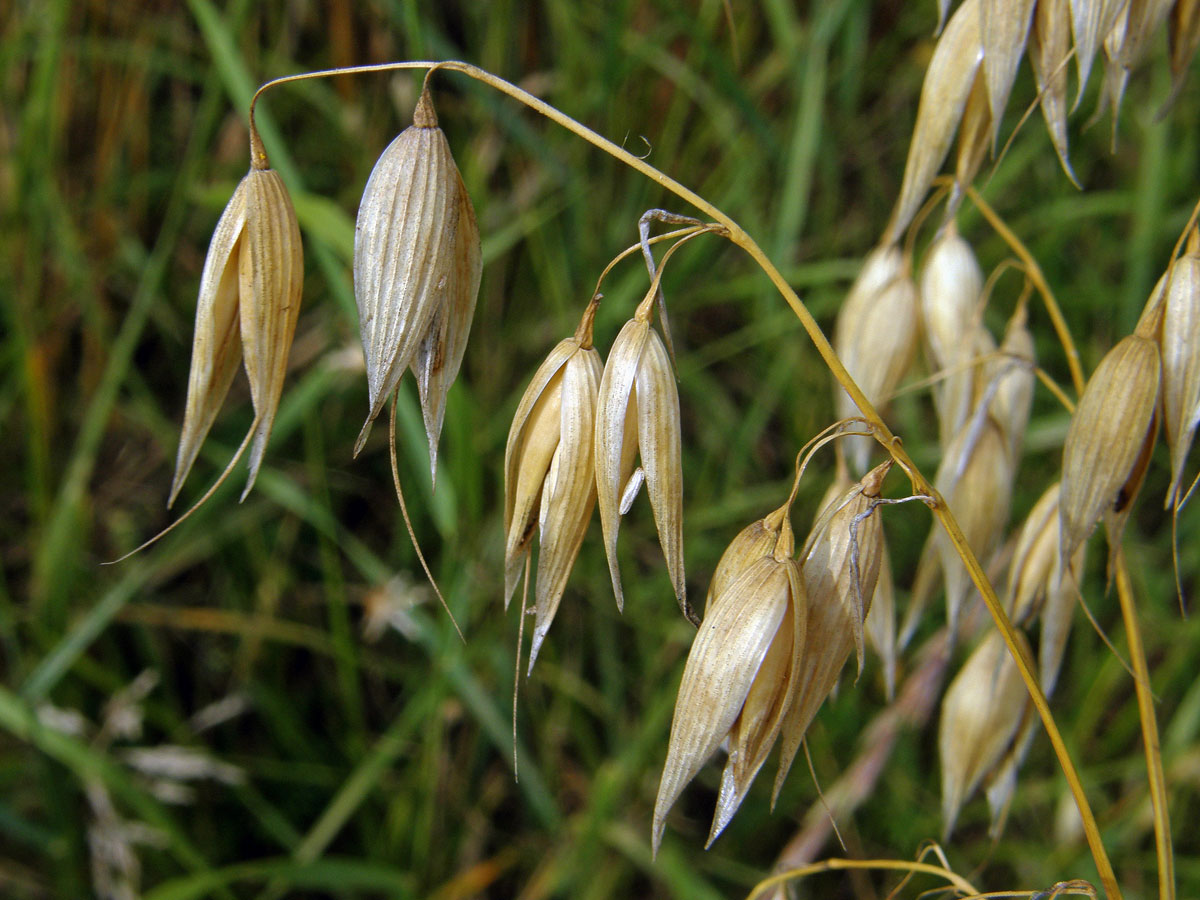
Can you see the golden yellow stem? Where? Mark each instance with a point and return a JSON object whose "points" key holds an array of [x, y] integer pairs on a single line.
{"points": [[837, 865], [1145, 701], [1034, 271]]}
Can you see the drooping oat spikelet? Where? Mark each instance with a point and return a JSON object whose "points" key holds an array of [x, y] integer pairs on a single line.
{"points": [[875, 337], [1109, 441], [1057, 616], [951, 283], [1143, 18], [1050, 48], [840, 565], [974, 142], [1033, 559], [549, 482], [1091, 22], [1039, 587], [1116, 74], [1011, 378], [1180, 346], [944, 94], [1002, 781], [441, 352], [981, 714], [1005, 28], [773, 690], [738, 680], [416, 268], [249, 302], [216, 341], [638, 392], [272, 275], [975, 478], [1125, 46]]}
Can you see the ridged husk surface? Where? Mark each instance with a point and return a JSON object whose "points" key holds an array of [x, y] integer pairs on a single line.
{"points": [[249, 301]]}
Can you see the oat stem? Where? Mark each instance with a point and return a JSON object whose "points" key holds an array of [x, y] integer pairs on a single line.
{"points": [[1034, 273], [1145, 701], [837, 865], [737, 235]]}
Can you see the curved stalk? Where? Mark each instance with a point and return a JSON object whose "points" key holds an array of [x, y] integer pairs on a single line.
{"points": [[838, 865], [1034, 272], [1145, 701]]}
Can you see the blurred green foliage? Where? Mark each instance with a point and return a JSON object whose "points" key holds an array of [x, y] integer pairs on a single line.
{"points": [[383, 766]]}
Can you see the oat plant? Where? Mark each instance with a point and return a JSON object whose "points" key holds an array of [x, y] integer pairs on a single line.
{"points": [[955, 573]]}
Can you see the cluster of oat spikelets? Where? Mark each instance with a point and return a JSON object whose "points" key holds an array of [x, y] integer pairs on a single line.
{"points": [[779, 625], [416, 278]]}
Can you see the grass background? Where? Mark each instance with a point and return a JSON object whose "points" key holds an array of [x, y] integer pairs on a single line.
{"points": [[383, 767]]}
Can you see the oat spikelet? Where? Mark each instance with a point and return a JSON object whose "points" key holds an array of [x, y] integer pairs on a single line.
{"points": [[416, 268], [1180, 345], [1005, 28], [1011, 378], [974, 143], [847, 535], [1034, 557], [1058, 613], [249, 302], [981, 714], [638, 410], [975, 478], [875, 337], [1050, 47], [944, 94], [951, 282], [738, 679], [441, 352], [549, 484], [1091, 22], [1109, 440]]}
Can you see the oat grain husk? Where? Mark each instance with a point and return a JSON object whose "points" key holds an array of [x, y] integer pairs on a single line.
{"points": [[249, 302], [549, 483], [638, 410], [1109, 440], [416, 265], [981, 714]]}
